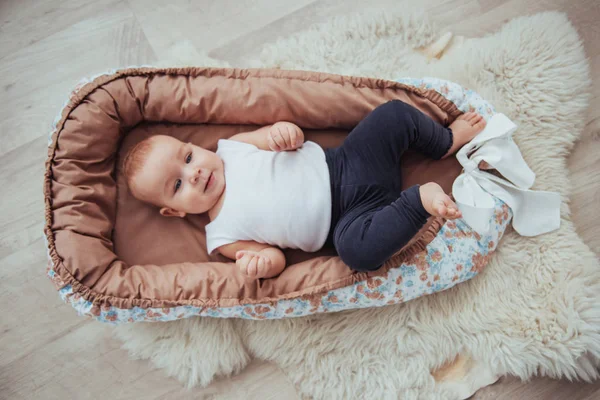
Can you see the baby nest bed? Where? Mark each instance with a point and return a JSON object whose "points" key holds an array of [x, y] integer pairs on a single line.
{"points": [[117, 260]]}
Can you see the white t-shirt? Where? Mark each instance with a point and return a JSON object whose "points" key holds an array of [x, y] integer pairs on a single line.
{"points": [[279, 198]]}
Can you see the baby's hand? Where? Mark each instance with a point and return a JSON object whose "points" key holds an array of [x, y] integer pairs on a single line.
{"points": [[285, 136], [252, 263]]}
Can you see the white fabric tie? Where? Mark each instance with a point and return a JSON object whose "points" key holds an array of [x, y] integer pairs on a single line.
{"points": [[534, 212]]}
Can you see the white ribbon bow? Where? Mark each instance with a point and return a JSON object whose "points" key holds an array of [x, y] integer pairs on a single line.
{"points": [[534, 213]]}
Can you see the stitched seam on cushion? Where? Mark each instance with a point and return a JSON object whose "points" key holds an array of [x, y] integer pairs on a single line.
{"points": [[132, 93]]}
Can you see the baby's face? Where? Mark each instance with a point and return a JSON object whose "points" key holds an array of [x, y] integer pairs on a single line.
{"points": [[181, 177]]}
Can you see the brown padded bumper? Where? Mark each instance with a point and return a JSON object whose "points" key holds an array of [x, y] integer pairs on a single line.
{"points": [[114, 250]]}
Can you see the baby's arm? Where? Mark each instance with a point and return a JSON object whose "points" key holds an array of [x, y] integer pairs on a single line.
{"points": [[254, 259], [281, 136]]}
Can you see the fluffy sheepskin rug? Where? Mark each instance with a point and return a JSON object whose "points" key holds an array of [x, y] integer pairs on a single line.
{"points": [[534, 310]]}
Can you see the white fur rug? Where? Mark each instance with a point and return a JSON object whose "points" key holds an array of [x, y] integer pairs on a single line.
{"points": [[535, 309]]}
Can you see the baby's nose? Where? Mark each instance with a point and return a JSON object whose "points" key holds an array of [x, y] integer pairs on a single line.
{"points": [[195, 175]]}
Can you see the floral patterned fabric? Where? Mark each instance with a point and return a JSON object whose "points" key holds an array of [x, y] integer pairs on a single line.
{"points": [[455, 255]]}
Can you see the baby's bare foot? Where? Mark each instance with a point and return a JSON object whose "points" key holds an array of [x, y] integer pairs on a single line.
{"points": [[464, 129], [437, 202]]}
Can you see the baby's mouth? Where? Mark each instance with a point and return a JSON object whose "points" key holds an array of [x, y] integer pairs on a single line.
{"points": [[208, 181]]}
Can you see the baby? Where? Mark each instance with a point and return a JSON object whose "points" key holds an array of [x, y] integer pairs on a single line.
{"points": [[267, 189]]}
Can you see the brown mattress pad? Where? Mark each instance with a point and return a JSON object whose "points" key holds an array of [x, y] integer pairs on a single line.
{"points": [[114, 250]]}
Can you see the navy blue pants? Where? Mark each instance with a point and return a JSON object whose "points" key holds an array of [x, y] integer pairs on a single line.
{"points": [[372, 218]]}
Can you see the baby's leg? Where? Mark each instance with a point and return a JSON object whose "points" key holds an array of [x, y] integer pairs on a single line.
{"points": [[394, 127], [365, 239]]}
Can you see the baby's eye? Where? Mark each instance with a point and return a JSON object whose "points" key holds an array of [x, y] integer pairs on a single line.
{"points": [[177, 184], [188, 159]]}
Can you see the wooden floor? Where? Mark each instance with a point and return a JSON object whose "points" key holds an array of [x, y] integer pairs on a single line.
{"points": [[48, 352]]}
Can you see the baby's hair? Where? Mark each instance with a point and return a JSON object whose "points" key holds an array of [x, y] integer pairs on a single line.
{"points": [[134, 161]]}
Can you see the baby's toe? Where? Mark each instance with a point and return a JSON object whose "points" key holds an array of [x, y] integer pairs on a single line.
{"points": [[480, 124], [442, 211]]}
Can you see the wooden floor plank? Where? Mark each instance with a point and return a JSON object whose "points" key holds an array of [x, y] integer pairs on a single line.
{"points": [[36, 80], [27, 22], [205, 24]]}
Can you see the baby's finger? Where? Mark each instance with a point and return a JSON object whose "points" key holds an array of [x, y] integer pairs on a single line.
{"points": [[299, 137], [276, 137], [241, 266], [260, 266], [252, 266], [279, 140], [293, 138], [272, 145], [239, 254], [246, 261], [285, 135]]}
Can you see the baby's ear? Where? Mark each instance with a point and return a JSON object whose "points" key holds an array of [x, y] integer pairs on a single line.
{"points": [[169, 212]]}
